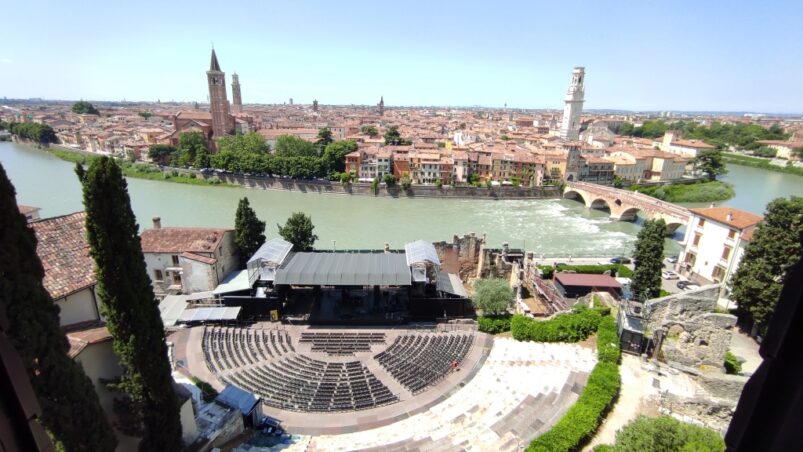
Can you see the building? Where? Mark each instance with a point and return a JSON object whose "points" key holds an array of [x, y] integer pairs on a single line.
{"points": [[31, 213], [381, 106], [675, 144], [69, 269], [572, 285], [236, 96], [714, 243], [570, 127], [599, 170], [187, 260], [222, 123]]}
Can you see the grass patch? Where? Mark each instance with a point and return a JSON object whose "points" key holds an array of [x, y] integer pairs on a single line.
{"points": [[141, 170], [744, 160], [732, 364], [570, 327], [697, 192]]}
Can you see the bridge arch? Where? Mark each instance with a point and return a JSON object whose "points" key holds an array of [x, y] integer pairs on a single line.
{"points": [[600, 204], [672, 227], [629, 214], [575, 195]]}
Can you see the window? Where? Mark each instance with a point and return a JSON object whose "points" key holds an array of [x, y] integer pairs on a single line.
{"points": [[696, 239], [718, 274], [726, 253], [691, 258], [157, 274], [175, 260], [701, 223], [732, 234]]}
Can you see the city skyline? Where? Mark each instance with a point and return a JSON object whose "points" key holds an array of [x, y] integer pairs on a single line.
{"points": [[681, 57]]}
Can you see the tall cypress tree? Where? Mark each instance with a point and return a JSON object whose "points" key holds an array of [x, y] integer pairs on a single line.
{"points": [[71, 411], [249, 231], [648, 256], [128, 304]]}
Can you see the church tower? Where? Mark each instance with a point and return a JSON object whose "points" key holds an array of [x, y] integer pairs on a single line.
{"points": [[570, 127], [219, 104], [382, 106], [236, 97], [315, 105]]}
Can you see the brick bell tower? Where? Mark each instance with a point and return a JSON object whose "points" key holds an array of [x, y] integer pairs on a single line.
{"points": [[218, 103]]}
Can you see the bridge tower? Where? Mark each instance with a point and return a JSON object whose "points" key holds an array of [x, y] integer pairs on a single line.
{"points": [[570, 127]]}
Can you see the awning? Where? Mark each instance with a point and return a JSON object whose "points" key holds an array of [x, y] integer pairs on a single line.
{"points": [[210, 314], [451, 283], [421, 251], [200, 296], [234, 282], [344, 269], [171, 308]]}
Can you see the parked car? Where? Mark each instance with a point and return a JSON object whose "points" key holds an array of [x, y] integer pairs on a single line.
{"points": [[620, 260], [672, 259], [669, 274], [687, 285]]}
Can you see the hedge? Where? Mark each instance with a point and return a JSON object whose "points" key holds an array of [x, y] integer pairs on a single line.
{"points": [[572, 327], [494, 324], [616, 270], [581, 421]]}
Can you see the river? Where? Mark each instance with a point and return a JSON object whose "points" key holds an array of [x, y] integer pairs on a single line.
{"points": [[548, 227]]}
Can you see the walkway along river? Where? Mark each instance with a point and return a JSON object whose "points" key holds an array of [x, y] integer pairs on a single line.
{"points": [[549, 227]]}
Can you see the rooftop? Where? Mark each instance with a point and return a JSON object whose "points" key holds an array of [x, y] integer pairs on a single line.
{"points": [[64, 252], [180, 240], [583, 279], [736, 218]]}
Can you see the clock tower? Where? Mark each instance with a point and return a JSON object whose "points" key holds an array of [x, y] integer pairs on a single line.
{"points": [[218, 103], [570, 127]]}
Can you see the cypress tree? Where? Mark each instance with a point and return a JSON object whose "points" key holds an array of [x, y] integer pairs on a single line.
{"points": [[71, 411], [756, 285], [129, 306], [249, 231], [648, 258]]}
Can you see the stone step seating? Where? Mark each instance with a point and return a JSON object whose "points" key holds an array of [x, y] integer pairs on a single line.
{"points": [[418, 361], [230, 347], [342, 344], [521, 390], [299, 383]]}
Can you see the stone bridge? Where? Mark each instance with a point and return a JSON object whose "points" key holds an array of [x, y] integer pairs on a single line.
{"points": [[625, 205]]}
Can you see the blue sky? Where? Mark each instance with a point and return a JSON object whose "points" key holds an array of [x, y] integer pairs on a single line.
{"points": [[671, 55]]}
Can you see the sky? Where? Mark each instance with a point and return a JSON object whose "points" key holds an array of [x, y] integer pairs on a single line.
{"points": [[676, 55]]}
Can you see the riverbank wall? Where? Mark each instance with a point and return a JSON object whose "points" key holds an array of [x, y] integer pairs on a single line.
{"points": [[415, 191]]}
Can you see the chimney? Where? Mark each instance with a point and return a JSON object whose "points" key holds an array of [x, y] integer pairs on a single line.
{"points": [[157, 223], [730, 216], [387, 248], [712, 205]]}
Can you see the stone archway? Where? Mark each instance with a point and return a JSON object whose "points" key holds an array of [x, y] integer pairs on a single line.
{"points": [[629, 214], [600, 204], [575, 195]]}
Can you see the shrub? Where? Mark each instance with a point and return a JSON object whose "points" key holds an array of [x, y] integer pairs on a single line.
{"points": [[608, 341], [438, 183], [581, 421], [665, 433], [570, 327], [732, 364], [494, 324]]}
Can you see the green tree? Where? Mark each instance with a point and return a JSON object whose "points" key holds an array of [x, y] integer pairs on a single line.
{"points": [[189, 144], [370, 131], [324, 137], [648, 259], [71, 411], [85, 108], [129, 306], [710, 163], [334, 156], [392, 136], [666, 434], [249, 143], [202, 159], [775, 246], [249, 231], [298, 230], [494, 296], [161, 153], [145, 114], [405, 182], [389, 180], [618, 182], [293, 146], [798, 151]]}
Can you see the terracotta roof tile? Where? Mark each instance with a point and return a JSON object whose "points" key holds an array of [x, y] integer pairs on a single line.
{"points": [[180, 240], [64, 252], [739, 218]]}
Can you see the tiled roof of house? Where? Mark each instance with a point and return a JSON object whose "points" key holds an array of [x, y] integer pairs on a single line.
{"points": [[63, 249], [728, 215], [180, 240]]}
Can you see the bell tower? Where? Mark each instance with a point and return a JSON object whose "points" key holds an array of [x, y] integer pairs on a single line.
{"points": [[218, 103], [236, 97], [570, 127]]}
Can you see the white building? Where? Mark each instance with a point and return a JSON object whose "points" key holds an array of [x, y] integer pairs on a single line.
{"points": [[673, 143], [187, 260], [714, 243], [570, 127]]}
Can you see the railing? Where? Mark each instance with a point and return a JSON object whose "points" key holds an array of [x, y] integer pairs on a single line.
{"points": [[633, 198]]}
